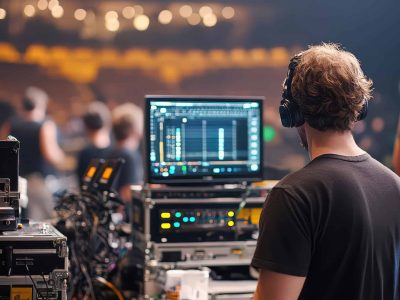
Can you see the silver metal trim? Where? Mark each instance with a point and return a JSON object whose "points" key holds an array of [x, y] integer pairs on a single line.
{"points": [[34, 251], [206, 244], [206, 201], [26, 238], [207, 262]]}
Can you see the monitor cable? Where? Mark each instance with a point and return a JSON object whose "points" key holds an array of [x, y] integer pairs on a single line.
{"points": [[34, 284], [242, 204]]}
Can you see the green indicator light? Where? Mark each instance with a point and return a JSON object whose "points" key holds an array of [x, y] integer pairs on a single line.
{"points": [[177, 224], [178, 214], [192, 219], [269, 133], [185, 219], [184, 168]]}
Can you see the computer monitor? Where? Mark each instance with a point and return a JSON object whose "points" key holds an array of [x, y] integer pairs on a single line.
{"points": [[203, 139]]}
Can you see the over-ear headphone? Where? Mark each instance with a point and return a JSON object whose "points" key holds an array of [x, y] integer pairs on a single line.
{"points": [[289, 110]]}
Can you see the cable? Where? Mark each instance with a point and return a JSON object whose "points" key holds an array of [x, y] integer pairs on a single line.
{"points": [[47, 286], [34, 284], [242, 204], [87, 216], [243, 201], [111, 286]]}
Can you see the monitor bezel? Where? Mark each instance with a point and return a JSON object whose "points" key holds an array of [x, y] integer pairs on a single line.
{"points": [[203, 180]]}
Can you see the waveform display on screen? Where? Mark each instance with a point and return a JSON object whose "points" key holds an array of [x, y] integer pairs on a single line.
{"points": [[204, 138]]}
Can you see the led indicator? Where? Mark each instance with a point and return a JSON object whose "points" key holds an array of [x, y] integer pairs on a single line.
{"points": [[165, 215], [165, 225], [178, 214], [107, 173], [192, 219], [231, 223], [231, 213], [91, 172], [185, 219], [177, 224]]}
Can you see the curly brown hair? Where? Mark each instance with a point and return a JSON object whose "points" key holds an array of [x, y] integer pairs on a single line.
{"points": [[330, 87]]}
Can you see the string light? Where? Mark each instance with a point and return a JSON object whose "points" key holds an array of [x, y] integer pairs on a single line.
{"points": [[53, 4], [128, 12], [29, 10], [228, 12], [210, 20], [80, 14], [112, 24], [141, 22], [185, 11], [165, 17], [42, 4], [110, 15], [205, 11], [57, 12], [3, 13], [194, 19]]}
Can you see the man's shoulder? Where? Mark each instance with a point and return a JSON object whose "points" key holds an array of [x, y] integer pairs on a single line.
{"points": [[308, 174], [95, 152], [318, 173], [335, 171], [126, 155]]}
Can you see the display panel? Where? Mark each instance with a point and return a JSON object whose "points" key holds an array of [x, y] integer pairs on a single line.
{"points": [[203, 139]]}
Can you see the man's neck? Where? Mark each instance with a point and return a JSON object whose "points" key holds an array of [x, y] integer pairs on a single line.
{"points": [[128, 144], [35, 116], [100, 138], [331, 142]]}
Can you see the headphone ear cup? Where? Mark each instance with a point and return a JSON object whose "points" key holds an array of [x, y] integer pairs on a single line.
{"points": [[284, 113], [290, 114], [364, 111]]}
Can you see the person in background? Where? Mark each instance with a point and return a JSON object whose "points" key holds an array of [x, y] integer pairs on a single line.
{"points": [[7, 113], [40, 153], [332, 229], [97, 121], [396, 151], [127, 122]]}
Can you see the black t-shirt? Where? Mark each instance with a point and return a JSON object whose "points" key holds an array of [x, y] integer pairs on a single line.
{"points": [[337, 222], [31, 159], [131, 171], [86, 155]]}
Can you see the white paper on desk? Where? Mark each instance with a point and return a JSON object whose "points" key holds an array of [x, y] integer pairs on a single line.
{"points": [[173, 279], [194, 285]]}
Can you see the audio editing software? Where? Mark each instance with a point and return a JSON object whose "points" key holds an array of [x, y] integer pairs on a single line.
{"points": [[204, 138]]}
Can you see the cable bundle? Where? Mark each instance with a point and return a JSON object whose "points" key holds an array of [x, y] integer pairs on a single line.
{"points": [[94, 243]]}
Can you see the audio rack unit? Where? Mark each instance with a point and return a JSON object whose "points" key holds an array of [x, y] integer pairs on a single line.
{"points": [[186, 231], [33, 263]]}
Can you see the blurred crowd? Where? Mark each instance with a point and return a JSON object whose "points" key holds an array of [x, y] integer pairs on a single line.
{"points": [[115, 133], [109, 134]]}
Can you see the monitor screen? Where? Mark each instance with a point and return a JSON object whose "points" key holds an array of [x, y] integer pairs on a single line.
{"points": [[197, 139]]}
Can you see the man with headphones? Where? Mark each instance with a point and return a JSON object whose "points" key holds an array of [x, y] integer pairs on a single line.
{"points": [[332, 229]]}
